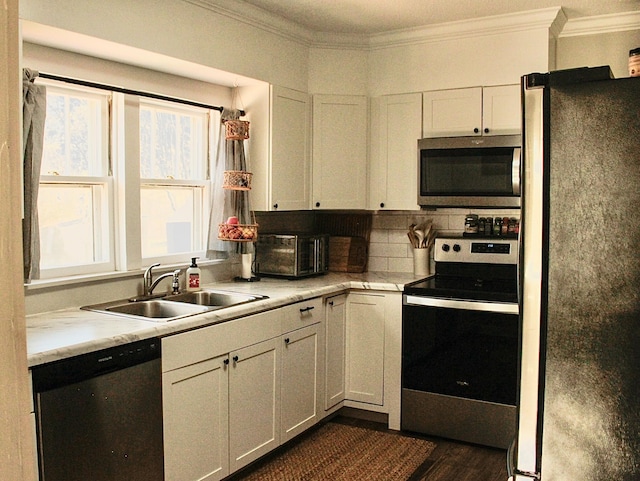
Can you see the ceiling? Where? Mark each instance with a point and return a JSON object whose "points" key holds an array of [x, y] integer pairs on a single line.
{"points": [[378, 16]]}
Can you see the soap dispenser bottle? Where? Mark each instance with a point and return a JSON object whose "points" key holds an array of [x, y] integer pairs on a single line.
{"points": [[193, 276]]}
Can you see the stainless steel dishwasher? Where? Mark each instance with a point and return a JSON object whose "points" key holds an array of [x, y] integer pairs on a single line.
{"points": [[99, 415]]}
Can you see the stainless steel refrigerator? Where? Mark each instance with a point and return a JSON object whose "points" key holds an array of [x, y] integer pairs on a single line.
{"points": [[579, 390]]}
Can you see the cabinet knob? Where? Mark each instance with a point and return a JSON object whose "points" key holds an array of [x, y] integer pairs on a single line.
{"points": [[331, 303], [476, 130], [286, 340], [235, 358], [381, 205], [486, 130], [275, 206], [317, 204], [226, 362]]}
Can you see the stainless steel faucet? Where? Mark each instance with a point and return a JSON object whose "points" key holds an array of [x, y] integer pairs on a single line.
{"points": [[149, 284]]}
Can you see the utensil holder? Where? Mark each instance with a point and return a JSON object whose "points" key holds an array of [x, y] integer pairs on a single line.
{"points": [[421, 262]]}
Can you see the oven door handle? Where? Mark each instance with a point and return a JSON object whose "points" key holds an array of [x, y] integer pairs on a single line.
{"points": [[501, 307]]}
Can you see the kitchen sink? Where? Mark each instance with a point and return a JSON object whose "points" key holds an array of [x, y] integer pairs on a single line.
{"points": [[214, 298], [174, 306], [157, 309]]}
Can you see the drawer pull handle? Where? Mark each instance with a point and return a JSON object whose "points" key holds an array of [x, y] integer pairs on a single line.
{"points": [[306, 309]]}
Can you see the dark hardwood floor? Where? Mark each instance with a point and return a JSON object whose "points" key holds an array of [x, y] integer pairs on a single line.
{"points": [[449, 461]]}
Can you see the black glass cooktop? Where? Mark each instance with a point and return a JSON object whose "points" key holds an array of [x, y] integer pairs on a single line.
{"points": [[472, 288]]}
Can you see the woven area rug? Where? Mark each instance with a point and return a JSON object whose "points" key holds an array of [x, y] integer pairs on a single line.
{"points": [[339, 452]]}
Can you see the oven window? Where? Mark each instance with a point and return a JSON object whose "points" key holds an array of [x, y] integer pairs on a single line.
{"points": [[462, 353], [466, 171]]}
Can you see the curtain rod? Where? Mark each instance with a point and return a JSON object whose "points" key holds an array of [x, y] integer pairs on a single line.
{"points": [[121, 90]]}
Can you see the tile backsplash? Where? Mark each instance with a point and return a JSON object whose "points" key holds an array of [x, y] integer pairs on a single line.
{"points": [[389, 248]]}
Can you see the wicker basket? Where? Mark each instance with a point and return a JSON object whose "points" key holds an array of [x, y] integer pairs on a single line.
{"points": [[236, 129], [237, 180], [238, 232]]}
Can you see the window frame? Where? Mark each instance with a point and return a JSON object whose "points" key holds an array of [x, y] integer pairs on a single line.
{"points": [[124, 185], [104, 208]]}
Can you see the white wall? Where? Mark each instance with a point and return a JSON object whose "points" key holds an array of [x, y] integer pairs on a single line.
{"points": [[182, 30], [600, 49]]}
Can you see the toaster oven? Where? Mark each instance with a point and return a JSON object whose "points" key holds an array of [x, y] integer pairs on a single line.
{"points": [[292, 255]]}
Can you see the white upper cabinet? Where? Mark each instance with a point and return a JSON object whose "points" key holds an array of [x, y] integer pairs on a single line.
{"points": [[340, 125], [396, 126], [472, 111], [290, 176], [501, 110]]}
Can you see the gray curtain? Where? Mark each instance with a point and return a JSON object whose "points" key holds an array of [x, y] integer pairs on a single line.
{"points": [[230, 155], [34, 108]]}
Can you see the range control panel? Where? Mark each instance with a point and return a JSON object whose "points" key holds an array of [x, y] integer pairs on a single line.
{"points": [[476, 250]]}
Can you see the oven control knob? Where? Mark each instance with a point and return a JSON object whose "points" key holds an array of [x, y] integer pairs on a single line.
{"points": [[456, 247], [445, 247]]}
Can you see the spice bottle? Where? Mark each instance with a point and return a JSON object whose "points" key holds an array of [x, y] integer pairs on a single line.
{"points": [[634, 62]]}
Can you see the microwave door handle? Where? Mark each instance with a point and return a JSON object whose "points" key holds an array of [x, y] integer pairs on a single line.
{"points": [[316, 255], [515, 170]]}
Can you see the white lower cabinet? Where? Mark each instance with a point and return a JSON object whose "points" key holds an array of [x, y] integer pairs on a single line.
{"points": [[301, 363], [254, 409], [365, 348], [335, 345], [196, 422], [373, 353], [234, 391]]}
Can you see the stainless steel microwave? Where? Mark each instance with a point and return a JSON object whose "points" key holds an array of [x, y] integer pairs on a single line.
{"points": [[469, 171], [292, 255]]}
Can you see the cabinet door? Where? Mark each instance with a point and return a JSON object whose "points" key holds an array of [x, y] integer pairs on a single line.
{"points": [[290, 150], [451, 113], [365, 348], [195, 421], [396, 126], [335, 328], [299, 381], [254, 409], [339, 152], [501, 110]]}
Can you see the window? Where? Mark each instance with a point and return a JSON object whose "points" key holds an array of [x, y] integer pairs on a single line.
{"points": [[79, 186], [173, 177], [76, 189]]}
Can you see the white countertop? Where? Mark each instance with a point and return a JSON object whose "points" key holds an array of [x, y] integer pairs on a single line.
{"points": [[56, 335]]}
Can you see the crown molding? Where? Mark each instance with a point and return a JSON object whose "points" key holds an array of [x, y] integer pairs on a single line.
{"points": [[533, 19], [617, 22], [256, 17]]}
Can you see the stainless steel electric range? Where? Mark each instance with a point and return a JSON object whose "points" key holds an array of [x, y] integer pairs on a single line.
{"points": [[460, 343]]}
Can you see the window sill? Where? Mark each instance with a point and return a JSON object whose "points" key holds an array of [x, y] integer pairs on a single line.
{"points": [[107, 276]]}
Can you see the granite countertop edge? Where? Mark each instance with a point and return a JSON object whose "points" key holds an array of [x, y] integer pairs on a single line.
{"points": [[57, 335]]}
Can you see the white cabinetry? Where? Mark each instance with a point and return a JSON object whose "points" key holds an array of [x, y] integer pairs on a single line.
{"points": [[396, 126], [205, 393], [472, 111], [335, 329], [290, 166], [300, 380], [254, 409], [339, 152], [374, 343], [365, 348], [195, 421], [234, 391]]}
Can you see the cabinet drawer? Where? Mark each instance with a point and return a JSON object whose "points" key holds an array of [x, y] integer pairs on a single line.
{"points": [[300, 314], [201, 344]]}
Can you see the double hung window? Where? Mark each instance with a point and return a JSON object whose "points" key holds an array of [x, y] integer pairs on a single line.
{"points": [[81, 212]]}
